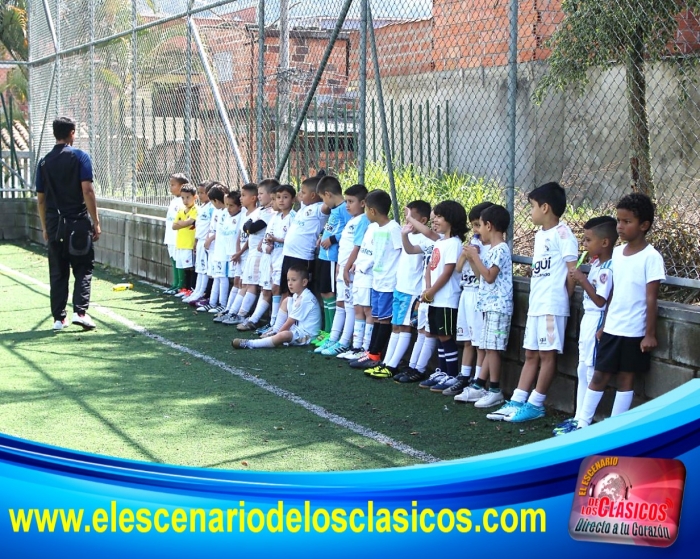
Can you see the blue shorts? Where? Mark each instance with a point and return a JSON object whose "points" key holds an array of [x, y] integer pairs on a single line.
{"points": [[381, 305], [403, 305]]}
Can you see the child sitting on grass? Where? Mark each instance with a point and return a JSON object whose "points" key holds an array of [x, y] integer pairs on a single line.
{"points": [[299, 317]]}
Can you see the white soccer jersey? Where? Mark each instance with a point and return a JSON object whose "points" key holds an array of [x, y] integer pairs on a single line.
{"points": [[365, 259], [174, 207], [305, 310], [278, 228], [446, 251], [411, 267], [553, 249], [201, 226], [304, 231], [254, 239], [600, 277]]}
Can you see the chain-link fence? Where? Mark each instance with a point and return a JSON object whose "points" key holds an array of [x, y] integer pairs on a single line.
{"points": [[433, 99]]}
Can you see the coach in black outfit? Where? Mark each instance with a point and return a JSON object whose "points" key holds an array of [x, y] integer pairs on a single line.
{"points": [[69, 220]]}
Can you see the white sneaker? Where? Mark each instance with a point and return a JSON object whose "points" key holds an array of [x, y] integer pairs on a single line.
{"points": [[60, 325], [83, 320], [489, 400], [471, 394], [217, 310], [509, 409]]}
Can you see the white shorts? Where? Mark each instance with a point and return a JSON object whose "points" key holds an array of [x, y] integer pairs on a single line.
{"points": [[545, 333], [470, 322], [299, 336], [265, 281], [171, 251], [251, 269], [184, 258], [201, 257], [276, 266], [590, 324], [362, 296], [423, 317], [238, 267], [218, 268], [343, 293]]}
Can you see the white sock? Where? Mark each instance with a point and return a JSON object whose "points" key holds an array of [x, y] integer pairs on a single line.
{"points": [[223, 291], [358, 333], [426, 353], [415, 353], [623, 401], [248, 302], [348, 327], [199, 287], [519, 396], [260, 344], [276, 301], [214, 295], [537, 399], [391, 347], [368, 336], [466, 371], [260, 309], [237, 302], [281, 319], [590, 404], [582, 372], [231, 297], [338, 322], [477, 371], [400, 350]]}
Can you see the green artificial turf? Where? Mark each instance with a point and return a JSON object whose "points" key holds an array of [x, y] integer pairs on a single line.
{"points": [[117, 392]]}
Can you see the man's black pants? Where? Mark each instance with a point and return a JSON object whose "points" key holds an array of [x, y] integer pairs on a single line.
{"points": [[60, 264]]}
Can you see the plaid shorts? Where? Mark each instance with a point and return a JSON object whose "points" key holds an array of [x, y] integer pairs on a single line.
{"points": [[495, 332]]}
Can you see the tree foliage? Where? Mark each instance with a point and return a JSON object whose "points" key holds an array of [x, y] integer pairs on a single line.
{"points": [[606, 33]]}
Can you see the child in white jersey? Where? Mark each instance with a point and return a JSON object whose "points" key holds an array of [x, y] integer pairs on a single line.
{"points": [[216, 268], [408, 289], [470, 321], [353, 328], [302, 237], [274, 245], [629, 332], [255, 227], [599, 238], [299, 319], [249, 202], [442, 293], [494, 300], [386, 252], [201, 232], [556, 252], [177, 180]]}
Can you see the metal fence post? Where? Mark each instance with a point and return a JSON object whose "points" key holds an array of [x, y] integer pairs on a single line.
{"points": [[259, 103], [512, 107], [188, 96], [362, 120], [283, 86], [134, 85], [312, 89], [220, 105], [91, 102], [382, 115]]}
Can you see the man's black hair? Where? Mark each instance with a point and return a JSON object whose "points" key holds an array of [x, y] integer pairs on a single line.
{"points": [[497, 216], [455, 214], [552, 194], [379, 201], [62, 127], [640, 205]]}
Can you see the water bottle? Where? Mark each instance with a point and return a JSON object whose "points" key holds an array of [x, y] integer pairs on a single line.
{"points": [[123, 286]]}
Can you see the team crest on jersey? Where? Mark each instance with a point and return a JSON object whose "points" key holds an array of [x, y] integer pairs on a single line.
{"points": [[546, 245], [435, 259], [308, 212], [603, 277], [563, 231]]}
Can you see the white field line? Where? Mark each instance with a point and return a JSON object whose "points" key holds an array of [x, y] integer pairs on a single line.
{"points": [[290, 396]]}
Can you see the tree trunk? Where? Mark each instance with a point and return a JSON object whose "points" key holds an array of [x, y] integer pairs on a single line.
{"points": [[640, 149]]}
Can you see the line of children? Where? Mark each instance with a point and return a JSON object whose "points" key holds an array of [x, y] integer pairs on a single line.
{"points": [[370, 274]]}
